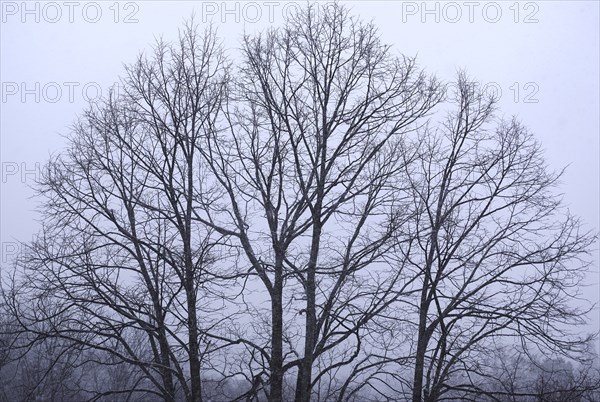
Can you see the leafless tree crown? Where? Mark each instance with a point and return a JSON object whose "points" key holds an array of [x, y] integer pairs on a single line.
{"points": [[316, 220]]}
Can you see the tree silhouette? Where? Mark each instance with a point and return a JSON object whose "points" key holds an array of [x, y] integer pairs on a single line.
{"points": [[297, 222]]}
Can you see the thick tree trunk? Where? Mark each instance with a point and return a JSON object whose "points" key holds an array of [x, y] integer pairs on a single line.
{"points": [[276, 364], [417, 392], [167, 375], [195, 380], [303, 383], [190, 290]]}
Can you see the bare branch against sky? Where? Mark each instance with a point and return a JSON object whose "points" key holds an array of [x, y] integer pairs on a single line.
{"points": [[235, 200]]}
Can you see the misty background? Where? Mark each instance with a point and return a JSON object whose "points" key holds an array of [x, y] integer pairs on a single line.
{"points": [[541, 58]]}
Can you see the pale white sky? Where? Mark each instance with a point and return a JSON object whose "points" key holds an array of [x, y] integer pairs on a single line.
{"points": [[542, 56]]}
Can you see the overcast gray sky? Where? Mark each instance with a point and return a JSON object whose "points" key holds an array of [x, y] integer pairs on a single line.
{"points": [[541, 58]]}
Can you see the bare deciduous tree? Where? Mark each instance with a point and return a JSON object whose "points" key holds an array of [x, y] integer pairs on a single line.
{"points": [[513, 374], [307, 165], [121, 262], [290, 226], [495, 252]]}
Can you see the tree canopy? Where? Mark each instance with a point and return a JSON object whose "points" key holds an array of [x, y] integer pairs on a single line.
{"points": [[316, 219]]}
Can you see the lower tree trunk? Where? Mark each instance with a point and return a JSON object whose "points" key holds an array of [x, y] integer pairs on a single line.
{"points": [[195, 380], [276, 364], [303, 383], [417, 392], [166, 373]]}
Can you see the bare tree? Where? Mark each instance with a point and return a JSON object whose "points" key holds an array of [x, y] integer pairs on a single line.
{"points": [[513, 374], [495, 252], [290, 227], [307, 164], [120, 264]]}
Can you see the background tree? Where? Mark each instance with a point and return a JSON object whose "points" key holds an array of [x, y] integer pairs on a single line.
{"points": [[513, 374]]}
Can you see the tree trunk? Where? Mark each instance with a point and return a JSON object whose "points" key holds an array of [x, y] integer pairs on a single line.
{"points": [[417, 391], [195, 380], [166, 373], [303, 383], [276, 364]]}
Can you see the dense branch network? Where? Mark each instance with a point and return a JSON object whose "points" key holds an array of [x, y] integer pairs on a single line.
{"points": [[300, 224]]}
